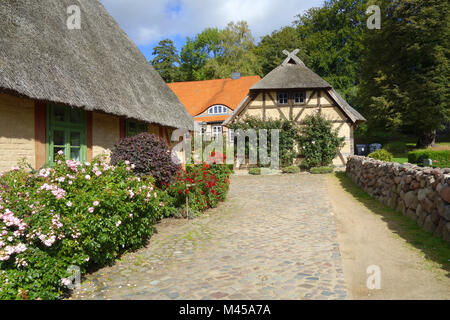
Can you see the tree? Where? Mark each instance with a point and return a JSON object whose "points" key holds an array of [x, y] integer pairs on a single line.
{"points": [[332, 36], [406, 69], [270, 50], [235, 53], [166, 58], [197, 51]]}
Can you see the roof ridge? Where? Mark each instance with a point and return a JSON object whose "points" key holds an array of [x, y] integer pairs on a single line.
{"points": [[210, 80]]}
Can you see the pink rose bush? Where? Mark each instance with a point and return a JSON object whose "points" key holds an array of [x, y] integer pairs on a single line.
{"points": [[73, 214]]}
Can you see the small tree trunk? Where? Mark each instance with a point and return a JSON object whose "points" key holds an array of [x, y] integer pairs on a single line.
{"points": [[426, 139]]}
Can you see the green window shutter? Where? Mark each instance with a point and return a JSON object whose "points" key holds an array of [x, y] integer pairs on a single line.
{"points": [[66, 131]]}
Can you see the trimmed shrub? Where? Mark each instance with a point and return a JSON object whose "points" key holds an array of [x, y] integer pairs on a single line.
{"points": [[75, 214], [382, 155], [205, 185], [321, 170], [254, 171], [441, 158], [149, 154], [290, 169], [319, 142]]}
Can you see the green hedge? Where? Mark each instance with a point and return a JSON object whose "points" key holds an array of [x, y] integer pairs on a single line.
{"points": [[321, 170], [291, 169], [255, 171], [74, 214], [441, 158]]}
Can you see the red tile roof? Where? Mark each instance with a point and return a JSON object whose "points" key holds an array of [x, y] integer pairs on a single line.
{"points": [[197, 96], [218, 118]]}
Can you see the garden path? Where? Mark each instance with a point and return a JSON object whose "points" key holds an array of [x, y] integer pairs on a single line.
{"points": [[274, 238]]}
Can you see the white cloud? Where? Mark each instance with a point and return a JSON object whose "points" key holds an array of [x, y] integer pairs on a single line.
{"points": [[148, 21]]}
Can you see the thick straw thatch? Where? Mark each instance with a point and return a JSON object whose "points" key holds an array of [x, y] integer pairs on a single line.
{"points": [[291, 76], [96, 68]]}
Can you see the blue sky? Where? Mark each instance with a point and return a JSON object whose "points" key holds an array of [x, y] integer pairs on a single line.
{"points": [[149, 21]]}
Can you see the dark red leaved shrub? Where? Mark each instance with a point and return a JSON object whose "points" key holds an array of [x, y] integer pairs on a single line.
{"points": [[149, 154]]}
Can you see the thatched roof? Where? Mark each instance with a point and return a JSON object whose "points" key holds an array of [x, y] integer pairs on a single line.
{"points": [[293, 74], [354, 115], [97, 67]]}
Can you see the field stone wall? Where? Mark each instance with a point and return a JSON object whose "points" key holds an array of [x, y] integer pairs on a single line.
{"points": [[422, 194]]}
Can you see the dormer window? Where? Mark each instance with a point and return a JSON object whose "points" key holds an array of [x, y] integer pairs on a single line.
{"points": [[299, 97], [282, 97], [218, 109]]}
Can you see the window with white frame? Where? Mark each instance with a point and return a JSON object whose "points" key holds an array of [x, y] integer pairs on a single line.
{"points": [[283, 97], [299, 97], [218, 109], [230, 135], [216, 130]]}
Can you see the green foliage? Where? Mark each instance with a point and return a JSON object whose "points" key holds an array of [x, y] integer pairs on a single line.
{"points": [[254, 171], [332, 36], [396, 147], [236, 55], [205, 185], [166, 60], [290, 169], [196, 53], [382, 155], [74, 214], [440, 158], [321, 170], [404, 81], [319, 142], [270, 50], [288, 135]]}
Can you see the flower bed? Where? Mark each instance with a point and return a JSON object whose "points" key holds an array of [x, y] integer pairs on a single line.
{"points": [[206, 185], [75, 214]]}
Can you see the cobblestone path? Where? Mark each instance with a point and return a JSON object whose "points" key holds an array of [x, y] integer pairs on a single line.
{"points": [[274, 238]]}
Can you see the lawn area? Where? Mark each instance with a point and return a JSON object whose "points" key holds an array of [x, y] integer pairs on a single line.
{"points": [[433, 248], [401, 156]]}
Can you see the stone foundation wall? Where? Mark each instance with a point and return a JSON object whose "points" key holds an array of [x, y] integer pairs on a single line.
{"points": [[422, 194]]}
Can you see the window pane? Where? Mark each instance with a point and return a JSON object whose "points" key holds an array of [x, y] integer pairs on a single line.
{"points": [[143, 127], [75, 116], [299, 97], [282, 98], [75, 139], [59, 138], [75, 154], [59, 113], [215, 109]]}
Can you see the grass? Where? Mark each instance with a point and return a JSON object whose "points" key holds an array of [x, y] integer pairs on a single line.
{"points": [[400, 159], [433, 248], [321, 170]]}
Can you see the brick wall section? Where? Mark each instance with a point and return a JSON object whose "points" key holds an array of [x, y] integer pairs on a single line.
{"points": [[105, 132], [16, 131], [422, 194]]}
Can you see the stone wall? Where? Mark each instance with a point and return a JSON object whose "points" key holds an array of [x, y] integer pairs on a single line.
{"points": [[422, 194]]}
